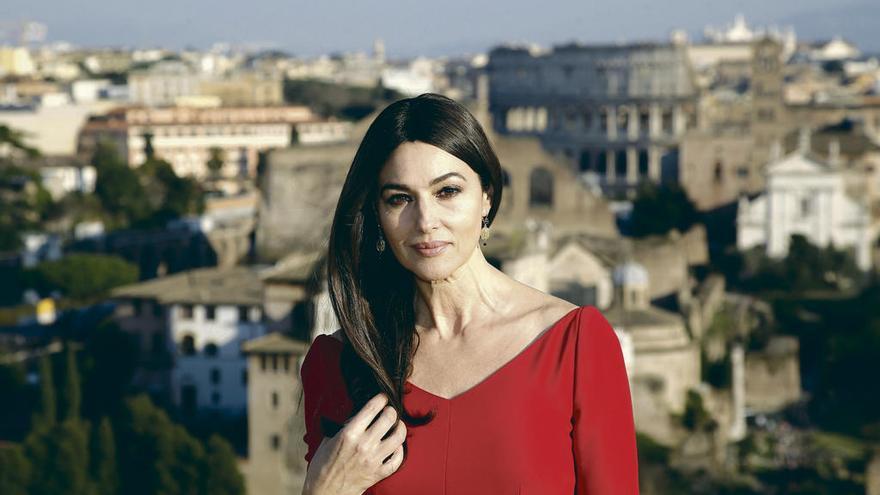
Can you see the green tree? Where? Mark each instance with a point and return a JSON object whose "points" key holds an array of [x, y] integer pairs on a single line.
{"points": [[69, 471], [111, 356], [222, 475], [47, 414], [25, 203], [118, 186], [659, 209], [187, 469], [72, 394], [171, 196], [15, 471], [104, 475], [19, 400], [179, 462], [15, 140], [82, 276]]}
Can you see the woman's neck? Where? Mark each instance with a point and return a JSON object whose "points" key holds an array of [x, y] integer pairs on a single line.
{"points": [[471, 294]]}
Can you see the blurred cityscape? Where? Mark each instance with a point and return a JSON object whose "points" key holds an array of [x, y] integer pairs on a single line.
{"points": [[164, 218]]}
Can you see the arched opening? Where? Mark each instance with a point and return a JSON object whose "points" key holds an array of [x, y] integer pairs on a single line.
{"points": [[602, 163], [540, 187], [211, 349], [620, 163], [586, 161], [188, 345], [643, 163]]}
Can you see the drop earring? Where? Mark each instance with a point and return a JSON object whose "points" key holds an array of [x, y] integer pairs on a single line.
{"points": [[380, 244], [484, 232]]}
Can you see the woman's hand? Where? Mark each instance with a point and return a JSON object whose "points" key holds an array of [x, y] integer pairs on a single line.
{"points": [[354, 459]]}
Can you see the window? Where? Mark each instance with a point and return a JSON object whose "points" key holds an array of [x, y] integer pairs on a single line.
{"points": [[602, 163], [586, 161], [643, 163], [719, 172], [215, 398], [215, 376], [211, 349], [275, 442], [274, 400], [622, 120], [186, 311], [262, 362], [210, 312], [286, 362], [620, 163], [243, 314], [742, 172], [806, 206], [588, 120], [540, 187], [667, 121], [274, 362], [188, 345]]}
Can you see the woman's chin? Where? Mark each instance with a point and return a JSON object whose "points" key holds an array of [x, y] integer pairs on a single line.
{"points": [[431, 271]]}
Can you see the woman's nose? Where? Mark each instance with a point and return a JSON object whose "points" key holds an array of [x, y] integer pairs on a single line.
{"points": [[426, 216]]}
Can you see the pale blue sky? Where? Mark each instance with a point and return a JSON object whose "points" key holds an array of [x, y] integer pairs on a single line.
{"points": [[421, 27]]}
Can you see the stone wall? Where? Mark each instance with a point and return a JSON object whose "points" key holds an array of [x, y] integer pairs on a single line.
{"points": [[773, 378]]}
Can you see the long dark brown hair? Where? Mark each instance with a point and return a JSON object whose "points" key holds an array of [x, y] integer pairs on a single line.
{"points": [[372, 294]]}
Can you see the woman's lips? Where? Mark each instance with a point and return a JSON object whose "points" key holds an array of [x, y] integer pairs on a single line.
{"points": [[431, 251]]}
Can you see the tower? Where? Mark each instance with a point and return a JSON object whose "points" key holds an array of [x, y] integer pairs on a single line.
{"points": [[276, 427]]}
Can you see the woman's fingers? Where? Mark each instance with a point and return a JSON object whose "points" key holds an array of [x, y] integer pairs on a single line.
{"points": [[360, 421], [384, 422], [394, 440], [392, 463]]}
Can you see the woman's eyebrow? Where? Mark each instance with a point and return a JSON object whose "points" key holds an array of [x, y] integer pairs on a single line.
{"points": [[402, 187]]}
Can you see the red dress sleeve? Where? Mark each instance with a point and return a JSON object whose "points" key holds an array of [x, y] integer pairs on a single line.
{"points": [[604, 439], [314, 384]]}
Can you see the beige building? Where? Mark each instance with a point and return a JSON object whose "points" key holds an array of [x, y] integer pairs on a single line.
{"points": [[245, 89], [616, 111], [16, 61], [724, 157], [185, 136], [276, 450]]}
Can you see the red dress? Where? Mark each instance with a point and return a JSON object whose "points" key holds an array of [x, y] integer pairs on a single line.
{"points": [[555, 419]]}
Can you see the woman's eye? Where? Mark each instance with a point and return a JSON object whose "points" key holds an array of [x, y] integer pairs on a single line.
{"points": [[450, 191], [398, 199], [393, 200]]}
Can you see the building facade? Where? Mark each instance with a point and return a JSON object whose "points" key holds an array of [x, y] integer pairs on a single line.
{"points": [[190, 328], [186, 136], [618, 112], [805, 195]]}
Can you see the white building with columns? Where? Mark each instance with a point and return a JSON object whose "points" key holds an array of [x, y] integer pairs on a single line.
{"points": [[805, 195]]}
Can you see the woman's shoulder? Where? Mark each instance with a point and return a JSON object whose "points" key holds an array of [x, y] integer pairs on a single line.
{"points": [[325, 348]]}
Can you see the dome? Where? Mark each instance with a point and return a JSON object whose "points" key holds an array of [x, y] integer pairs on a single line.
{"points": [[630, 274]]}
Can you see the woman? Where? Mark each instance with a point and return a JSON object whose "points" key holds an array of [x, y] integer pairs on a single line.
{"points": [[447, 375]]}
